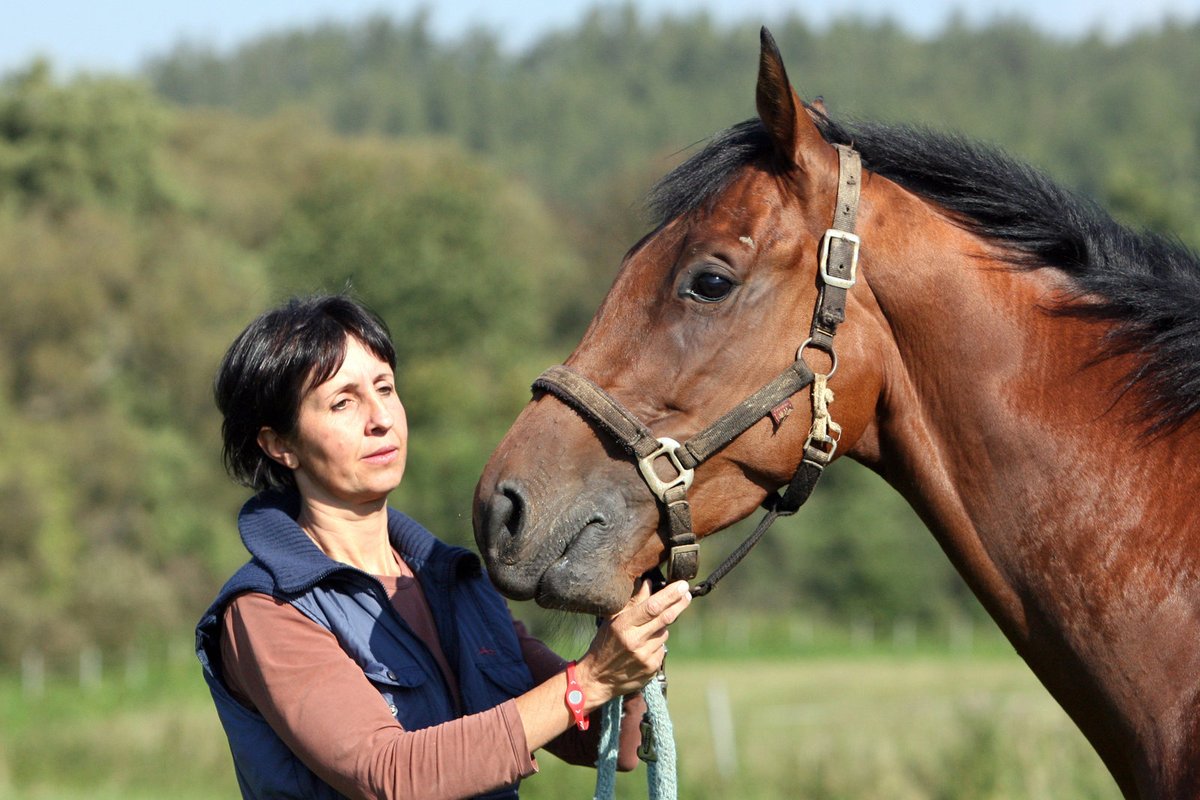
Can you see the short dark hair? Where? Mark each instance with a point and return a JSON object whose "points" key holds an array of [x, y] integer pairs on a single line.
{"points": [[271, 365]]}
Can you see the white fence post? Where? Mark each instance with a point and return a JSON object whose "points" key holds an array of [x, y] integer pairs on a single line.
{"points": [[862, 632], [962, 635], [91, 667], [720, 718], [136, 668], [904, 634], [33, 673]]}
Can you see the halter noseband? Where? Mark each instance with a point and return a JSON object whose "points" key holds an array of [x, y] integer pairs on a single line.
{"points": [[838, 266]]}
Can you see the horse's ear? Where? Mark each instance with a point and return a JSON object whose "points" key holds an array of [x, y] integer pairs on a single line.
{"points": [[787, 122]]}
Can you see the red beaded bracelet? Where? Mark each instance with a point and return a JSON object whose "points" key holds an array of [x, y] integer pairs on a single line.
{"points": [[574, 699]]}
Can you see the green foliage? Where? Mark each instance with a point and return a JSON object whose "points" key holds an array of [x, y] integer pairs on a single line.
{"points": [[619, 92], [117, 313], [455, 257], [459, 408], [113, 739], [856, 552], [96, 375], [115, 308], [91, 142], [481, 202]]}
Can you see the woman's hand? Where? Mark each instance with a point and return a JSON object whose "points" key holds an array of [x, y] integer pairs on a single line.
{"points": [[626, 653], [630, 646]]}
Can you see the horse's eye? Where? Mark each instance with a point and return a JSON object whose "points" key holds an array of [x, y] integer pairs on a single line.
{"points": [[709, 287]]}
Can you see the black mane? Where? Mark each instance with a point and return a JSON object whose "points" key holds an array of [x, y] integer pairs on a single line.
{"points": [[1146, 285]]}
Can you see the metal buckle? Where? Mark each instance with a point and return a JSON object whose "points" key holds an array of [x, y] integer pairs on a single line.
{"points": [[675, 555], [821, 450], [834, 280], [647, 751], [669, 448]]}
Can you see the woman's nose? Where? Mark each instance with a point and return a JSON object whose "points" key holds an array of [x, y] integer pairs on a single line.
{"points": [[381, 416]]}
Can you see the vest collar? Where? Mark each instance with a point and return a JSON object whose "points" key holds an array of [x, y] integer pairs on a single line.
{"points": [[267, 524]]}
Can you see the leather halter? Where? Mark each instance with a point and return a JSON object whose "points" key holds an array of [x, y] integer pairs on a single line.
{"points": [[837, 265]]}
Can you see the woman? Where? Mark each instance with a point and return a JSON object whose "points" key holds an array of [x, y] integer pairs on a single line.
{"points": [[355, 654]]}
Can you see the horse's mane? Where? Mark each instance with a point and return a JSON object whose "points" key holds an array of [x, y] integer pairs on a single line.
{"points": [[1147, 285]]}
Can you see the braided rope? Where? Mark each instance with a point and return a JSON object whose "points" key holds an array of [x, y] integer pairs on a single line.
{"points": [[662, 772], [606, 763]]}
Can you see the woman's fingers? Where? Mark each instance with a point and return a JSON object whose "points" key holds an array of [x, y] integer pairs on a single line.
{"points": [[629, 648], [660, 608], [642, 627]]}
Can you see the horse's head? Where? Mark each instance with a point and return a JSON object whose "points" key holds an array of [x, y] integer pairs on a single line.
{"points": [[706, 310]]}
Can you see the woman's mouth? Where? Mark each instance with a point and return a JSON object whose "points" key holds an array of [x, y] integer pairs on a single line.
{"points": [[382, 456]]}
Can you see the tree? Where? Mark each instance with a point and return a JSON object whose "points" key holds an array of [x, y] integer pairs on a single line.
{"points": [[468, 269], [62, 147], [115, 310]]}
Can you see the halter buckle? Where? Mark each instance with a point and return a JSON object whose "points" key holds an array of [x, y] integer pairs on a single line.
{"points": [[670, 448], [683, 562], [826, 242]]}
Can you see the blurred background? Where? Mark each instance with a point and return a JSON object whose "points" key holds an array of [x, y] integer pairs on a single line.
{"points": [[475, 172]]}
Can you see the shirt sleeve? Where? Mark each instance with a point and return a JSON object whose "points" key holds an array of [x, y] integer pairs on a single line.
{"points": [[293, 671]]}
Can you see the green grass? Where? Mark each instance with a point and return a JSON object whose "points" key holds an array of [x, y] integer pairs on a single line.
{"points": [[865, 727], [858, 725], [159, 738]]}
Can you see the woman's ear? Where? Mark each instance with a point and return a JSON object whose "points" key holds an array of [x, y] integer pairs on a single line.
{"points": [[277, 448]]}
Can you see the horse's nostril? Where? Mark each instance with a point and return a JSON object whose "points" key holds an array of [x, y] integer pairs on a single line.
{"points": [[504, 521]]}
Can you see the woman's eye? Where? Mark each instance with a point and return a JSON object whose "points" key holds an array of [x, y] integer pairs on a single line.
{"points": [[710, 287], [341, 405]]}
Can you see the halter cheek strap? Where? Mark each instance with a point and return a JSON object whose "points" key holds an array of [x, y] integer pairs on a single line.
{"points": [[837, 266], [602, 409]]}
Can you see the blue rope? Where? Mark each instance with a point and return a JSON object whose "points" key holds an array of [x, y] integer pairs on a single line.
{"points": [[606, 764], [662, 768]]}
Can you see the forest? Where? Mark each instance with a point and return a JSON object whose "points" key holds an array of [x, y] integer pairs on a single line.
{"points": [[480, 200]]}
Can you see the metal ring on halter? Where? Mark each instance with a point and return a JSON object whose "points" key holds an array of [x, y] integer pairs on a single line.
{"points": [[830, 351]]}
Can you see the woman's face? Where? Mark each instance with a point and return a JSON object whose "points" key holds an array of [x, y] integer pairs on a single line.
{"points": [[351, 437]]}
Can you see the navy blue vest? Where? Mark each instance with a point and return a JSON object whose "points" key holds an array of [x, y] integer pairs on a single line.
{"points": [[473, 624]]}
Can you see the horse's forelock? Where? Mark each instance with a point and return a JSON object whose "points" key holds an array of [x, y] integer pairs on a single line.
{"points": [[709, 171]]}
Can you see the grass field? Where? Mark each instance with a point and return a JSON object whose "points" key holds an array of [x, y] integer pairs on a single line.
{"points": [[865, 728], [854, 725]]}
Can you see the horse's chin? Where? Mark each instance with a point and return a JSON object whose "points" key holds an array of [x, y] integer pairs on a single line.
{"points": [[573, 560], [579, 580], [570, 585]]}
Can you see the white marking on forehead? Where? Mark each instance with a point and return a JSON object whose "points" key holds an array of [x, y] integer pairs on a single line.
{"points": [[746, 240]]}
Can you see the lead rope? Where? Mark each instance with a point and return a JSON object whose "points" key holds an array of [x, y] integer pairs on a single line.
{"points": [[657, 748]]}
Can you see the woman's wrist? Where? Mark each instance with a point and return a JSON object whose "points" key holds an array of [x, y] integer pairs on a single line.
{"points": [[595, 692], [575, 698]]}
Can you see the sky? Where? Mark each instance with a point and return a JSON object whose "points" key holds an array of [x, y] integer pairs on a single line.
{"points": [[117, 36]]}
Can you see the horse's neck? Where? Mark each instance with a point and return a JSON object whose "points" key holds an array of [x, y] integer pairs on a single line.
{"points": [[955, 438], [1002, 431], [1028, 464]]}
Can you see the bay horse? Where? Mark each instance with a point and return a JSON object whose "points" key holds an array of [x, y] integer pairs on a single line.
{"points": [[1021, 368]]}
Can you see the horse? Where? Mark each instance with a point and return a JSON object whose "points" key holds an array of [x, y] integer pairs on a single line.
{"points": [[1024, 370]]}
